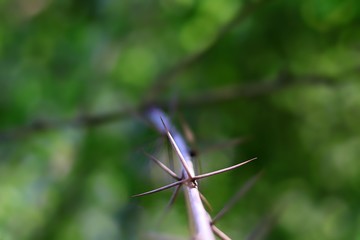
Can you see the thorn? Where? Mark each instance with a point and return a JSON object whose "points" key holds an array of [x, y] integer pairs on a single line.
{"points": [[189, 134], [190, 137], [161, 188], [181, 157], [207, 203], [166, 128], [220, 233], [163, 166], [170, 203], [170, 154], [196, 160], [246, 187], [264, 226], [173, 197], [205, 175]]}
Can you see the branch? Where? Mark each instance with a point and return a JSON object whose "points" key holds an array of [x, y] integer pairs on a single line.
{"points": [[84, 121], [199, 100], [265, 87], [199, 218]]}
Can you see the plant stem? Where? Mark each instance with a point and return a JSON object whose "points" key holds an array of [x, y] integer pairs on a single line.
{"points": [[200, 221]]}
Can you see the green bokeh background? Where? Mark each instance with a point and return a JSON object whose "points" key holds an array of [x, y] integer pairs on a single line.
{"points": [[64, 59]]}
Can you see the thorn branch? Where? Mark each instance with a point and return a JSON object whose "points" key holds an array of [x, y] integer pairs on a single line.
{"points": [[163, 166], [220, 233], [178, 152], [205, 175], [161, 188], [246, 187], [202, 227]]}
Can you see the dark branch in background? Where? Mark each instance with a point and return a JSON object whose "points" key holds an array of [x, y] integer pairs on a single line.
{"points": [[41, 125], [263, 228], [163, 80], [159, 84], [199, 100], [253, 90], [241, 192]]}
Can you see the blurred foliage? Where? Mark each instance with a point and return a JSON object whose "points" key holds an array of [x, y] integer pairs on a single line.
{"points": [[64, 59]]}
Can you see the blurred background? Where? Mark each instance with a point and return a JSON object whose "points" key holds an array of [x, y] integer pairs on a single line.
{"points": [[281, 76]]}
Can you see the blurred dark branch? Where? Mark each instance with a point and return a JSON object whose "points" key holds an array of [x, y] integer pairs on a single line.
{"points": [[42, 125], [253, 90], [240, 91], [163, 80], [266, 224], [240, 193]]}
